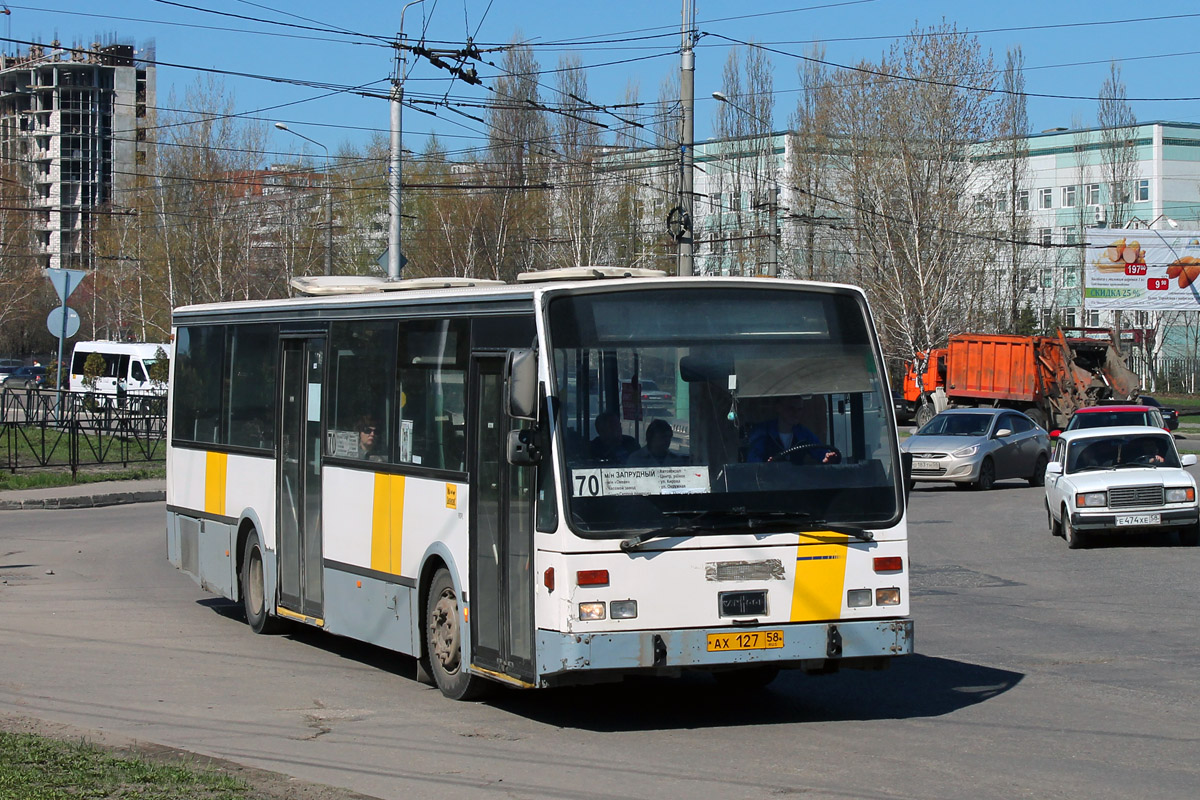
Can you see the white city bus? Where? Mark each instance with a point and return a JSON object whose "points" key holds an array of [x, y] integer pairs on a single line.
{"points": [[419, 468]]}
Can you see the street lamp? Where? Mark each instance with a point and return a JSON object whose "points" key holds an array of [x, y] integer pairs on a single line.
{"points": [[328, 198], [773, 262]]}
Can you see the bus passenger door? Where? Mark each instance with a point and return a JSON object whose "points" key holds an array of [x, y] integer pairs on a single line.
{"points": [[501, 584], [299, 479]]}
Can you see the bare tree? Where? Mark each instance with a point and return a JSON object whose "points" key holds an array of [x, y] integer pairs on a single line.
{"points": [[20, 274], [578, 216], [517, 134], [1118, 127], [905, 130], [747, 171], [808, 165], [1013, 138], [360, 207], [626, 224], [1071, 255], [208, 188]]}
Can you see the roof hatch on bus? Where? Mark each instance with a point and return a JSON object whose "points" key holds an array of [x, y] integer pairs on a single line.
{"points": [[587, 274], [323, 285]]}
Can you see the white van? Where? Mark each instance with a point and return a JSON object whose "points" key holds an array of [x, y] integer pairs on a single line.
{"points": [[125, 361]]}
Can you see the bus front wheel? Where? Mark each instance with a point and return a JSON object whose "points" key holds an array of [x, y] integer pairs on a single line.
{"points": [[254, 592], [443, 641]]}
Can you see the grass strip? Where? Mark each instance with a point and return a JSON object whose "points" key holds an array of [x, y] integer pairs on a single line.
{"points": [[38, 768], [43, 479]]}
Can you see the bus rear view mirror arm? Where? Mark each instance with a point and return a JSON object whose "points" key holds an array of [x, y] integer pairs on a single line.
{"points": [[521, 384]]}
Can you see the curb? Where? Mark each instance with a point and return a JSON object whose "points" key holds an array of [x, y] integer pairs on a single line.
{"points": [[85, 501]]}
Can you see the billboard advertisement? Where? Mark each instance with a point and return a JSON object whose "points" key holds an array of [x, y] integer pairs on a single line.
{"points": [[1142, 270]]}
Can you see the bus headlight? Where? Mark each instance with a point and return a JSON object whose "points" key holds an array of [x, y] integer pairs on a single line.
{"points": [[858, 598], [591, 610], [623, 609], [887, 597], [1091, 499], [1181, 495]]}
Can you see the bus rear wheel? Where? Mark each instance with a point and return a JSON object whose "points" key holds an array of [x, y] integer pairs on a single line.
{"points": [[443, 641], [254, 592]]}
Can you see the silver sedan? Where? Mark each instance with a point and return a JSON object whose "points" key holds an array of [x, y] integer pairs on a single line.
{"points": [[977, 447]]}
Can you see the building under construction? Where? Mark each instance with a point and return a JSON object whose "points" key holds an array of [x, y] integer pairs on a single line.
{"points": [[76, 125]]}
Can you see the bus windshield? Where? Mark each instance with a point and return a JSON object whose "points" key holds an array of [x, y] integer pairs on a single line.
{"points": [[722, 408]]}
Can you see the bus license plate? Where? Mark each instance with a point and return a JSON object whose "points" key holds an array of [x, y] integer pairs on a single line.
{"points": [[746, 640], [1138, 519]]}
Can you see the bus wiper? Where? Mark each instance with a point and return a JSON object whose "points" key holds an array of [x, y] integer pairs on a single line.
{"points": [[780, 521], [634, 542], [695, 519]]}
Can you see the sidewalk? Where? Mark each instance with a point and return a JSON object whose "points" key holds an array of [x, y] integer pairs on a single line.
{"points": [[86, 495]]}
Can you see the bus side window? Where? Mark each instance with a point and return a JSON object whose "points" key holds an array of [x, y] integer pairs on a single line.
{"points": [[359, 403], [138, 372], [431, 380]]}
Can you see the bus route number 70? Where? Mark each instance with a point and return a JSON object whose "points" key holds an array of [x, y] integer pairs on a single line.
{"points": [[587, 483]]}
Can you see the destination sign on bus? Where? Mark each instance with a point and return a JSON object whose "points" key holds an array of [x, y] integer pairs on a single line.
{"points": [[639, 481]]}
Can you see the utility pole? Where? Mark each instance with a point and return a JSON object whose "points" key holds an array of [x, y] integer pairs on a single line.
{"points": [[395, 163], [687, 97]]}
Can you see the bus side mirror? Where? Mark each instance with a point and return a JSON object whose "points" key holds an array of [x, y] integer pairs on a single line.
{"points": [[906, 462], [521, 383], [523, 450]]}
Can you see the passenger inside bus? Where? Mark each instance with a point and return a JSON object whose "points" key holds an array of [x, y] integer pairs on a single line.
{"points": [[783, 437], [611, 444], [657, 451], [368, 439]]}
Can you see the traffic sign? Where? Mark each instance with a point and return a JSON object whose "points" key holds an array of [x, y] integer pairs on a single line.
{"points": [[65, 281], [382, 261], [55, 322]]}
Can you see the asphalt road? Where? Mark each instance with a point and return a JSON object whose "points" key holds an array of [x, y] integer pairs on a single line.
{"points": [[1041, 672]]}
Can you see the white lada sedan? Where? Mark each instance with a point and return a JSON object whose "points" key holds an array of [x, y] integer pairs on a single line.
{"points": [[1124, 480]]}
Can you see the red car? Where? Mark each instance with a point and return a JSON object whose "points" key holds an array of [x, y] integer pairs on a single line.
{"points": [[1110, 416]]}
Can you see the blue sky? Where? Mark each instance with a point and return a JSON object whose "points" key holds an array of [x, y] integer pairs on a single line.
{"points": [[1159, 57]]}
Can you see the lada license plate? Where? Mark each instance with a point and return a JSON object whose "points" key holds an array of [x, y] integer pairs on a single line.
{"points": [[925, 465], [1130, 520], [746, 640]]}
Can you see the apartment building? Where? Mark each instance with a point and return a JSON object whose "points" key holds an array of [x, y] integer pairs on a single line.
{"points": [[78, 123]]}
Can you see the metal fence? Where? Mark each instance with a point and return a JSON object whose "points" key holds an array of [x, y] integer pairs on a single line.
{"points": [[48, 428], [1167, 374]]}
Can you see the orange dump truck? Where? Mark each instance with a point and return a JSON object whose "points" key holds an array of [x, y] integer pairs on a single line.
{"points": [[1047, 377]]}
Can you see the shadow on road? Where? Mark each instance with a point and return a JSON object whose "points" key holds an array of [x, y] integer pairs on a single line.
{"points": [[916, 686]]}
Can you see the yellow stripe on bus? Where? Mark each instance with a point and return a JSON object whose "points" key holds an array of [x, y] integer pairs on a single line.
{"points": [[820, 579], [387, 523], [215, 476]]}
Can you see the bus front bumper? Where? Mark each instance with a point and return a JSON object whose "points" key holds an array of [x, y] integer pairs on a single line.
{"points": [[565, 657]]}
